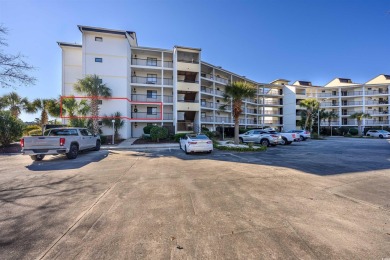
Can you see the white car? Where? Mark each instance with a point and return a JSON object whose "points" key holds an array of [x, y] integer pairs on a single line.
{"points": [[196, 143], [304, 134], [378, 133]]}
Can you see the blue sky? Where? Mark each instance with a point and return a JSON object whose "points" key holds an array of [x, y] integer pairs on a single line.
{"points": [[305, 39]]}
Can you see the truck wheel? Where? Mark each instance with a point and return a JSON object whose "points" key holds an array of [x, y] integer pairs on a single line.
{"points": [[264, 142], [97, 147], [73, 151], [37, 157], [285, 142], [302, 138]]}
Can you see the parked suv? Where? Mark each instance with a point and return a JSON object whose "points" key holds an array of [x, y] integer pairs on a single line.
{"points": [[304, 134], [261, 137], [378, 133]]}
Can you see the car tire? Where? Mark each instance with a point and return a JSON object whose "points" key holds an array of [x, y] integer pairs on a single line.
{"points": [[285, 142], [185, 149], [380, 136], [97, 147], [264, 142], [37, 157], [368, 135], [73, 152], [302, 138], [241, 140]]}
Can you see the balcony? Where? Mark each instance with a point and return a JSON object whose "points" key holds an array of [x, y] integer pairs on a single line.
{"points": [[269, 102], [351, 93], [185, 65], [225, 120], [251, 121], [348, 113], [376, 92], [206, 90], [377, 112], [320, 95], [187, 126], [184, 85], [207, 104], [375, 102], [376, 122], [252, 100], [146, 116], [151, 81], [151, 98], [188, 105], [251, 111], [168, 116], [222, 80], [219, 93], [269, 112], [352, 103], [329, 104], [151, 63], [271, 122]]}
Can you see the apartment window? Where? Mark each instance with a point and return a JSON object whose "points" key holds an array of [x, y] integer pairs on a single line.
{"points": [[98, 59], [100, 102], [387, 76], [151, 110], [334, 93], [369, 88], [323, 91], [98, 39], [203, 114], [345, 121], [345, 81], [344, 93], [151, 61], [151, 79], [203, 102], [380, 119], [151, 94]]}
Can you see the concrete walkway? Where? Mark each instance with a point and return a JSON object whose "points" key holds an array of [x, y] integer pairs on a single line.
{"points": [[128, 145]]}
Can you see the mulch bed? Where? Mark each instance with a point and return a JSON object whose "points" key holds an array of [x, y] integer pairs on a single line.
{"points": [[148, 141], [12, 148]]}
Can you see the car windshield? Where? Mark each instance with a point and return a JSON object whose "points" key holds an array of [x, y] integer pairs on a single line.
{"points": [[383, 131]]}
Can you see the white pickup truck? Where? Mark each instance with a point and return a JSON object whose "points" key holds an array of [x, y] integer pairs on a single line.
{"points": [[68, 141], [287, 138]]}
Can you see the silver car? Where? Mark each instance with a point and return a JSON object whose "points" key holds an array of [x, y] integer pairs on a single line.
{"points": [[259, 136]]}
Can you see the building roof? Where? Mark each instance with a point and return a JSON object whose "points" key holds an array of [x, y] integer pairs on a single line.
{"points": [[132, 34], [276, 80], [68, 44], [189, 48]]}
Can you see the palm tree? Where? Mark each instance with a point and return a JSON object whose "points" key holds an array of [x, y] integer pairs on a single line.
{"points": [[118, 124], [15, 103], [46, 106], [93, 87], [311, 105], [235, 93], [73, 109], [330, 115], [359, 116]]}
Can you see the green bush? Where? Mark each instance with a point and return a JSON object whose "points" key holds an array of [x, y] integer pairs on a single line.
{"points": [[147, 129], [35, 132], [353, 131], [11, 128], [240, 149], [30, 128], [177, 137], [103, 139], [209, 134], [157, 133], [314, 135], [205, 129]]}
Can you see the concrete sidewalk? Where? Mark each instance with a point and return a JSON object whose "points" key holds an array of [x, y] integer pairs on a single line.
{"points": [[128, 145]]}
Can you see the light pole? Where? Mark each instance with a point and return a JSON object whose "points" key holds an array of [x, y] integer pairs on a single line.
{"points": [[223, 130], [113, 130]]}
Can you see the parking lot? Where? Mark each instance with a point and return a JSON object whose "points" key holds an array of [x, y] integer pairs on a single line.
{"points": [[319, 199]]}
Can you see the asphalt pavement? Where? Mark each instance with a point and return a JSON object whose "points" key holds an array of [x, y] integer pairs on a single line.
{"points": [[320, 199]]}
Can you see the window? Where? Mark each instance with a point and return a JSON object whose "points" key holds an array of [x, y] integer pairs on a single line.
{"points": [[151, 79], [151, 110], [203, 114], [203, 102], [345, 80], [151, 61], [83, 132], [98, 59], [334, 93], [387, 76], [100, 102], [100, 123], [98, 39], [323, 91], [151, 94]]}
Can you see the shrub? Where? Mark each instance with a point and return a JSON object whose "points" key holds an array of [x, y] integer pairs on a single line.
{"points": [[147, 129], [30, 128], [35, 132], [157, 133], [209, 134], [11, 128], [205, 129], [314, 135], [353, 131], [177, 137]]}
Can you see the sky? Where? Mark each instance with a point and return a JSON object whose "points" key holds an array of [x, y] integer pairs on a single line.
{"points": [[311, 40]]}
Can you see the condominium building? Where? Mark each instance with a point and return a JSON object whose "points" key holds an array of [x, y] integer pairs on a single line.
{"points": [[172, 88], [345, 98], [176, 89]]}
